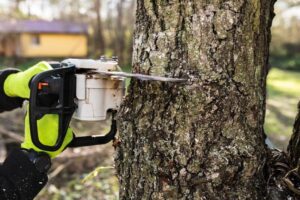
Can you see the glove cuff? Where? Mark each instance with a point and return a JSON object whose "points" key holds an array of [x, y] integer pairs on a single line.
{"points": [[41, 160], [8, 103]]}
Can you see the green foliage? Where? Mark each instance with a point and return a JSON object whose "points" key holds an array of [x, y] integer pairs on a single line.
{"points": [[285, 45], [18, 63], [286, 62]]}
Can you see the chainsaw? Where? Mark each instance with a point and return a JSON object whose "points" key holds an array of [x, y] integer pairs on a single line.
{"points": [[84, 89]]}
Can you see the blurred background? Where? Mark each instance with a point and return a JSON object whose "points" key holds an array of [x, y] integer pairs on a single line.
{"points": [[283, 83], [34, 30]]}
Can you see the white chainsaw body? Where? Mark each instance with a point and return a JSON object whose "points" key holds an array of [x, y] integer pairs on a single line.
{"points": [[97, 93]]}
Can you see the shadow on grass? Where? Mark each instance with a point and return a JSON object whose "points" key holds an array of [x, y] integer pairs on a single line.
{"points": [[283, 119]]}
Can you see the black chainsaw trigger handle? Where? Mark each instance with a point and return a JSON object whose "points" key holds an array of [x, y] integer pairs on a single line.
{"points": [[59, 85], [95, 140]]}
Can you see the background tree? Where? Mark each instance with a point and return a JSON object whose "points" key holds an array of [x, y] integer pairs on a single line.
{"points": [[120, 32], [203, 139], [99, 40]]}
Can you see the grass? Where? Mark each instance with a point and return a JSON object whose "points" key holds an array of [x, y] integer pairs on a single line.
{"points": [[283, 95]]}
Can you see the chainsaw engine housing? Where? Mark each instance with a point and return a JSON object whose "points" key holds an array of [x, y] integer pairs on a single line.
{"points": [[96, 94]]}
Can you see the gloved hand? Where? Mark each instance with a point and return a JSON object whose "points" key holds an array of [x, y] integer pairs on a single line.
{"points": [[17, 85], [48, 132]]}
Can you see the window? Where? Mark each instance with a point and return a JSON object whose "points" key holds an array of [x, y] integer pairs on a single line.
{"points": [[35, 40]]}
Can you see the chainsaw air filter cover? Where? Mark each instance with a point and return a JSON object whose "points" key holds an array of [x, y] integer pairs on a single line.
{"points": [[96, 93]]}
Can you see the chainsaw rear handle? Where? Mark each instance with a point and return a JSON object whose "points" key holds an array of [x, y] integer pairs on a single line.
{"points": [[64, 106], [62, 83]]}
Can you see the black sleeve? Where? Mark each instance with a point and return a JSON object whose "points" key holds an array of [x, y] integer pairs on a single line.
{"points": [[8, 103], [19, 178]]}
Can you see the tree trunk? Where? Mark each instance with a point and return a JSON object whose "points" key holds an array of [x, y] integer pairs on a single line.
{"points": [[98, 35], [120, 33], [293, 148], [203, 139]]}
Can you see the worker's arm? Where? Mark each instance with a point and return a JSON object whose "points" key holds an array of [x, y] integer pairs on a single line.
{"points": [[8, 103], [24, 172], [14, 85]]}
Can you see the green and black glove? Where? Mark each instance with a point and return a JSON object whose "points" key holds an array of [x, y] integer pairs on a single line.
{"points": [[17, 85]]}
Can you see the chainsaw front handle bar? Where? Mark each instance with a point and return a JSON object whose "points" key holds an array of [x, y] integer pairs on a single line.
{"points": [[95, 140]]}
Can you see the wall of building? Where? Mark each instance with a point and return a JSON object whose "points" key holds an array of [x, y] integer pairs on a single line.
{"points": [[9, 45], [53, 45]]}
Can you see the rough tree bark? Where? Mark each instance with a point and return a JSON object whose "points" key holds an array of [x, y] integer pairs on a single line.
{"points": [[203, 139], [293, 148]]}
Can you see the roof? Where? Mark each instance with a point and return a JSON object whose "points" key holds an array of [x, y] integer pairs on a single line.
{"points": [[41, 26]]}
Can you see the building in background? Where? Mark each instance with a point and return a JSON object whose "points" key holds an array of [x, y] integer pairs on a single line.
{"points": [[38, 38]]}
